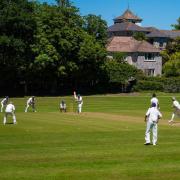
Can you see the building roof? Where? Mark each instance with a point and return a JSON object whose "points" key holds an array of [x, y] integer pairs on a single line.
{"points": [[129, 44], [127, 15], [150, 28], [126, 26], [157, 33], [171, 33]]}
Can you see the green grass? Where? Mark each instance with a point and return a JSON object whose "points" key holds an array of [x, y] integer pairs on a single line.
{"points": [[104, 142]]}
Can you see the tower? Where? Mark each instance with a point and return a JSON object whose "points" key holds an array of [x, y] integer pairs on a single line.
{"points": [[128, 16]]}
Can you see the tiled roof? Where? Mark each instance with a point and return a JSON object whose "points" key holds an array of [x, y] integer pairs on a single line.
{"points": [[150, 28], [126, 26], [128, 15], [129, 44], [157, 33], [171, 33]]}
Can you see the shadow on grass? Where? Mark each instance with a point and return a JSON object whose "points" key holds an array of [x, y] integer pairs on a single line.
{"points": [[9, 123]]}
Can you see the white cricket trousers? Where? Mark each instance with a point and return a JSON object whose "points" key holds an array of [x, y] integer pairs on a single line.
{"points": [[154, 127], [175, 113], [79, 108], [6, 115], [27, 106], [2, 106]]}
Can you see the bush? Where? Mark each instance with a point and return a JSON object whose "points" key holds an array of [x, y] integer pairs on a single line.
{"points": [[145, 85], [171, 85]]}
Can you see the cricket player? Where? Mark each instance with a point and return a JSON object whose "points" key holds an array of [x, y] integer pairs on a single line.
{"points": [[30, 102], [155, 100], [10, 110], [151, 118], [176, 107], [62, 106], [4, 103], [79, 100]]}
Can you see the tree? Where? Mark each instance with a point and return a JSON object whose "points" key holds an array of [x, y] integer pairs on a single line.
{"points": [[171, 58], [96, 27], [91, 57], [17, 27], [173, 46], [63, 3], [177, 26], [63, 49], [139, 36], [172, 67], [119, 57], [120, 72], [57, 42]]}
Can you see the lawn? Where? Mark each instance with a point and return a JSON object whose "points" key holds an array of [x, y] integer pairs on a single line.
{"points": [[104, 142]]}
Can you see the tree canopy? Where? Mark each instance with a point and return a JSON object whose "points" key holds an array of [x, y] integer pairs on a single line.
{"points": [[49, 48], [177, 26], [52, 49], [171, 58], [17, 27]]}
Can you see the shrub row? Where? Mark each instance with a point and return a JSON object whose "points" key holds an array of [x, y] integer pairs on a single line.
{"points": [[163, 84]]}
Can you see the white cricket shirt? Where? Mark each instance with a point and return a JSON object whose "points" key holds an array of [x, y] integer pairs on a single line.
{"points": [[10, 108], [176, 104], [153, 114], [29, 101], [79, 100]]}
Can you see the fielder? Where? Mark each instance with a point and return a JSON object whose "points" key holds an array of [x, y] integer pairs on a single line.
{"points": [[62, 106], [151, 118], [176, 107], [30, 102], [155, 100], [4, 103], [79, 100], [10, 110]]}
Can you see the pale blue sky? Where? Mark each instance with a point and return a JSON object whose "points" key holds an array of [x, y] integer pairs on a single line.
{"points": [[157, 13]]}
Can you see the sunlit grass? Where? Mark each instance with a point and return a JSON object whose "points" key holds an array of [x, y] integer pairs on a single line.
{"points": [[104, 142]]}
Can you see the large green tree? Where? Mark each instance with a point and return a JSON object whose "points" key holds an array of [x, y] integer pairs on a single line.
{"points": [[63, 49], [172, 66], [171, 58], [17, 27], [120, 72], [47, 48], [92, 56], [56, 42], [97, 27]]}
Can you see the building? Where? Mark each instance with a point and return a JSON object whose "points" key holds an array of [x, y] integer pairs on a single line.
{"points": [[142, 54]]}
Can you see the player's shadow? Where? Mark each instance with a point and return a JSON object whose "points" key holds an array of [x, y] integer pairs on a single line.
{"points": [[9, 123]]}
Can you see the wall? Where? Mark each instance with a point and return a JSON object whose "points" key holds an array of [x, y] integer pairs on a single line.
{"points": [[138, 60]]}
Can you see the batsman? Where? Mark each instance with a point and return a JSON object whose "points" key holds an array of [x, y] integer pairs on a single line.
{"points": [[79, 100]]}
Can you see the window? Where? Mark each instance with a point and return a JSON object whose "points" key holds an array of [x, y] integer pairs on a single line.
{"points": [[149, 72], [149, 57], [161, 44]]}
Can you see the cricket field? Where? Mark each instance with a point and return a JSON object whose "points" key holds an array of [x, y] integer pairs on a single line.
{"points": [[105, 142]]}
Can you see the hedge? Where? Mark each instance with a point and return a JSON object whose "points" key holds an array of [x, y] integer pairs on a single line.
{"points": [[171, 85]]}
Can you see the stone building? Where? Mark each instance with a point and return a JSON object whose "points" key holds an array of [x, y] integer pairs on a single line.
{"points": [[141, 54], [144, 55]]}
